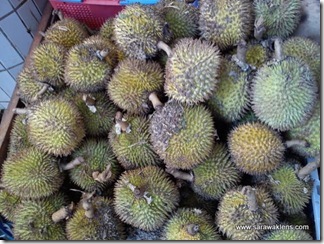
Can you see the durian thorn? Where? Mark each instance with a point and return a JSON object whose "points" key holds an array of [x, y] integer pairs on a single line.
{"points": [[259, 28], [309, 168], [278, 49], [63, 213], [104, 176], [162, 45], [120, 124], [101, 54], [170, 5], [75, 162], [192, 229], [88, 99], [178, 174], [251, 197], [155, 100], [41, 92], [42, 33], [291, 143], [77, 190], [240, 56], [137, 143], [21, 111]]}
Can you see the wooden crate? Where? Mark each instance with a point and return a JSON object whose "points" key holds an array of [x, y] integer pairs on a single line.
{"points": [[8, 116]]}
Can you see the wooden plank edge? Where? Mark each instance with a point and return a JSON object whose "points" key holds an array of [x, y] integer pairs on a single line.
{"points": [[8, 116]]}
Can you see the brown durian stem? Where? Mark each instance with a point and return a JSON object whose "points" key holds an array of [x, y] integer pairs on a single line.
{"points": [[155, 100], [251, 197], [192, 229], [21, 111], [292, 143], [124, 126], [87, 204], [58, 13], [309, 168], [180, 174], [72, 164], [89, 100], [278, 49], [104, 176], [63, 213], [259, 28], [41, 92], [162, 45], [101, 54], [239, 58]]}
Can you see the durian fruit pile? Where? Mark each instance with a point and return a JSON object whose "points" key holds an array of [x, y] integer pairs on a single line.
{"points": [[170, 122]]}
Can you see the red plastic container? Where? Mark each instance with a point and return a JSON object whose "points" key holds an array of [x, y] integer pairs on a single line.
{"points": [[93, 13]]}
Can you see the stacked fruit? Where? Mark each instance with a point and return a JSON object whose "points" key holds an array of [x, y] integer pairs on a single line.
{"points": [[188, 123]]}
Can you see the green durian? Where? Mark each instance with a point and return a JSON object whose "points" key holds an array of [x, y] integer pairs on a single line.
{"points": [[48, 61], [230, 99], [66, 32], [280, 17], [191, 71], [248, 208], [225, 22], [256, 55], [145, 197], [134, 149], [104, 224], [55, 126], [132, 82], [190, 224], [97, 155], [183, 136], [137, 30], [107, 29], [255, 148], [8, 204], [283, 94], [288, 235], [306, 50], [33, 219], [90, 64], [31, 173]]}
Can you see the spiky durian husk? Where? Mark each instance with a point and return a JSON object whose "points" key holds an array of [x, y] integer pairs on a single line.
{"points": [[67, 32], [182, 136], [132, 82], [136, 234], [29, 87], [8, 204], [225, 22], [97, 154], [311, 132], [107, 29], [230, 99], [134, 149], [289, 193], [105, 225], [33, 219], [31, 174], [85, 70], [216, 175], [306, 50], [137, 211], [137, 30], [18, 135], [280, 17], [288, 235], [55, 126], [283, 94], [191, 71], [176, 227], [233, 213], [48, 61], [255, 148], [256, 55], [181, 17]]}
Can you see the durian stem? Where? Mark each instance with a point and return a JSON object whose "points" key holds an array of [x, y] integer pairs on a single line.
{"points": [[192, 229], [41, 92], [240, 56], [259, 28], [89, 100], [104, 176], [309, 168], [120, 124], [63, 213], [292, 143], [21, 111], [87, 204], [162, 45], [101, 54], [278, 49], [58, 13], [180, 174], [251, 197], [155, 100], [72, 164]]}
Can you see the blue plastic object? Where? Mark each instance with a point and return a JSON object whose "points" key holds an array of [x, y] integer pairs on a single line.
{"points": [[6, 230], [127, 2]]}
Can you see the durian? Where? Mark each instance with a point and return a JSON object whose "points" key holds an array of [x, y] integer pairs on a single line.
{"points": [[133, 149], [243, 212], [256, 55], [132, 82], [136, 234], [225, 22], [190, 224], [8, 204], [288, 235], [255, 148], [31, 174], [107, 29], [145, 197], [55, 126]]}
